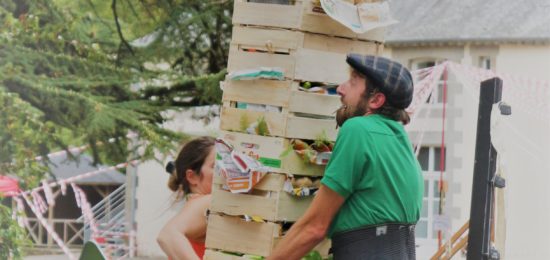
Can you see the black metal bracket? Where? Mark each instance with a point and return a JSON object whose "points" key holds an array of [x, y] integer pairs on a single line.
{"points": [[504, 108], [485, 180]]}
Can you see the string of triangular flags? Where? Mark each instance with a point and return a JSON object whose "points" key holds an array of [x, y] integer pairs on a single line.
{"points": [[39, 206]]}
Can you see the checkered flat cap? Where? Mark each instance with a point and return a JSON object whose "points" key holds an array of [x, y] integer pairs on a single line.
{"points": [[392, 78]]}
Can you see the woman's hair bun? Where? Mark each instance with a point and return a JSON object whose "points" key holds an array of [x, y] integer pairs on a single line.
{"points": [[170, 167]]}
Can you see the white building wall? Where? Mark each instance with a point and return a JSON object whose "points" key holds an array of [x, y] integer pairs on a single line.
{"points": [[523, 60], [525, 141]]}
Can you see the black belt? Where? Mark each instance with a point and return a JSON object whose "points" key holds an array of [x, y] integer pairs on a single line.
{"points": [[381, 242]]}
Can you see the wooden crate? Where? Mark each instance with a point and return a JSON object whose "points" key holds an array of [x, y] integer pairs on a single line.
{"points": [[299, 16], [267, 200], [303, 115], [268, 150], [233, 234], [302, 56], [210, 254]]}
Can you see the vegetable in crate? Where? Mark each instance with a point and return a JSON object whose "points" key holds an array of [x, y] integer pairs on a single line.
{"points": [[318, 152]]}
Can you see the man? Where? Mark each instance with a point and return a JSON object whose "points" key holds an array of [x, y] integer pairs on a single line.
{"points": [[371, 195]]}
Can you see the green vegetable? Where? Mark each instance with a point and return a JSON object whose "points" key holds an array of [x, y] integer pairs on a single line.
{"points": [[313, 255]]}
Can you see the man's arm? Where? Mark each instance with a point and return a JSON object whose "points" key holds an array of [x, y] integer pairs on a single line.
{"points": [[311, 228]]}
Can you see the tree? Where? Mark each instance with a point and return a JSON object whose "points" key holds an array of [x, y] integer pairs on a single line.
{"points": [[92, 71]]}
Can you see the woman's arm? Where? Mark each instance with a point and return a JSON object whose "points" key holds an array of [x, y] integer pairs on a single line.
{"points": [[189, 223]]}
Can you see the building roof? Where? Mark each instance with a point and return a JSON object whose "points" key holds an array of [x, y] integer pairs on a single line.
{"points": [[429, 21], [63, 168]]}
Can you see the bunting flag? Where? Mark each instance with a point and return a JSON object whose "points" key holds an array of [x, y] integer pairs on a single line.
{"points": [[83, 176], [48, 193], [63, 186], [76, 195], [84, 205], [21, 219], [530, 95], [39, 202], [48, 228], [8, 186], [426, 81]]}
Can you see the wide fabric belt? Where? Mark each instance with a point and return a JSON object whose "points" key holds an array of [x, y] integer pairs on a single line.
{"points": [[382, 242]]}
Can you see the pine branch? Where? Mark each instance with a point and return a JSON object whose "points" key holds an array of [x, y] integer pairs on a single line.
{"points": [[147, 10], [119, 30], [98, 16]]}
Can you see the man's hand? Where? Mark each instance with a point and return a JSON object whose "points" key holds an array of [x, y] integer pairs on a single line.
{"points": [[311, 228]]}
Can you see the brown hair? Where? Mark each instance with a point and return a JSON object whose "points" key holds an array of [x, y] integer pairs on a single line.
{"points": [[191, 157]]}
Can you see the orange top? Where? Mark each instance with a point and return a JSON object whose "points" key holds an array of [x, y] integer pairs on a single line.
{"points": [[199, 248]]}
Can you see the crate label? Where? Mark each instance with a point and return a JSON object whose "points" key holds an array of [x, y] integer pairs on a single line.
{"points": [[270, 162]]}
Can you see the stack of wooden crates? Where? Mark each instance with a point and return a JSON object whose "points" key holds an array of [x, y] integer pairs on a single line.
{"points": [[310, 47]]}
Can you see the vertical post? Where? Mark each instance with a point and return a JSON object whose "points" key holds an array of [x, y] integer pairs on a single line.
{"points": [[50, 222], [130, 199], [484, 173]]}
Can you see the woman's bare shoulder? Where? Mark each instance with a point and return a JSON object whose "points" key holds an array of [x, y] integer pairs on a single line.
{"points": [[198, 202]]}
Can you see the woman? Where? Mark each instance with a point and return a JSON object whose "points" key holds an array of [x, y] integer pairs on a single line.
{"points": [[191, 177]]}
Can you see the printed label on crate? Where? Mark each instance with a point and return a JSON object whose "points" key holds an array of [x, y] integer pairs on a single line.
{"points": [[240, 171], [270, 162], [274, 73]]}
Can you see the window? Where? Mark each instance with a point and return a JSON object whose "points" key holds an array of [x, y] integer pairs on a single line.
{"points": [[437, 95], [485, 62], [429, 159]]}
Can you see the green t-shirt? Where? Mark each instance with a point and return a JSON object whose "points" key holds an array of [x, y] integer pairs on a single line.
{"points": [[374, 168]]}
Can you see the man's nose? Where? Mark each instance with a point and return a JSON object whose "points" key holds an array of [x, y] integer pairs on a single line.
{"points": [[339, 89]]}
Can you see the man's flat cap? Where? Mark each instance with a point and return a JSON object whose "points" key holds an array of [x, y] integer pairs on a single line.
{"points": [[392, 78]]}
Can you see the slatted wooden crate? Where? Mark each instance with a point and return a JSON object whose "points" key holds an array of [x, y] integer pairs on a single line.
{"points": [[233, 234], [302, 56], [268, 150], [268, 200], [302, 15], [302, 115]]}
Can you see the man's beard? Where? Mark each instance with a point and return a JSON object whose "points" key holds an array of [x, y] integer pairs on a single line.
{"points": [[346, 112]]}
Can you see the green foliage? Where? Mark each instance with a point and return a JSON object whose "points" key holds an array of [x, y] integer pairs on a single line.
{"points": [[12, 236], [92, 72], [244, 122], [313, 255], [76, 72], [321, 139], [262, 128]]}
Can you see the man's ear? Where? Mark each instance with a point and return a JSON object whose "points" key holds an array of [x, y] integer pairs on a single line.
{"points": [[377, 100], [192, 177]]}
